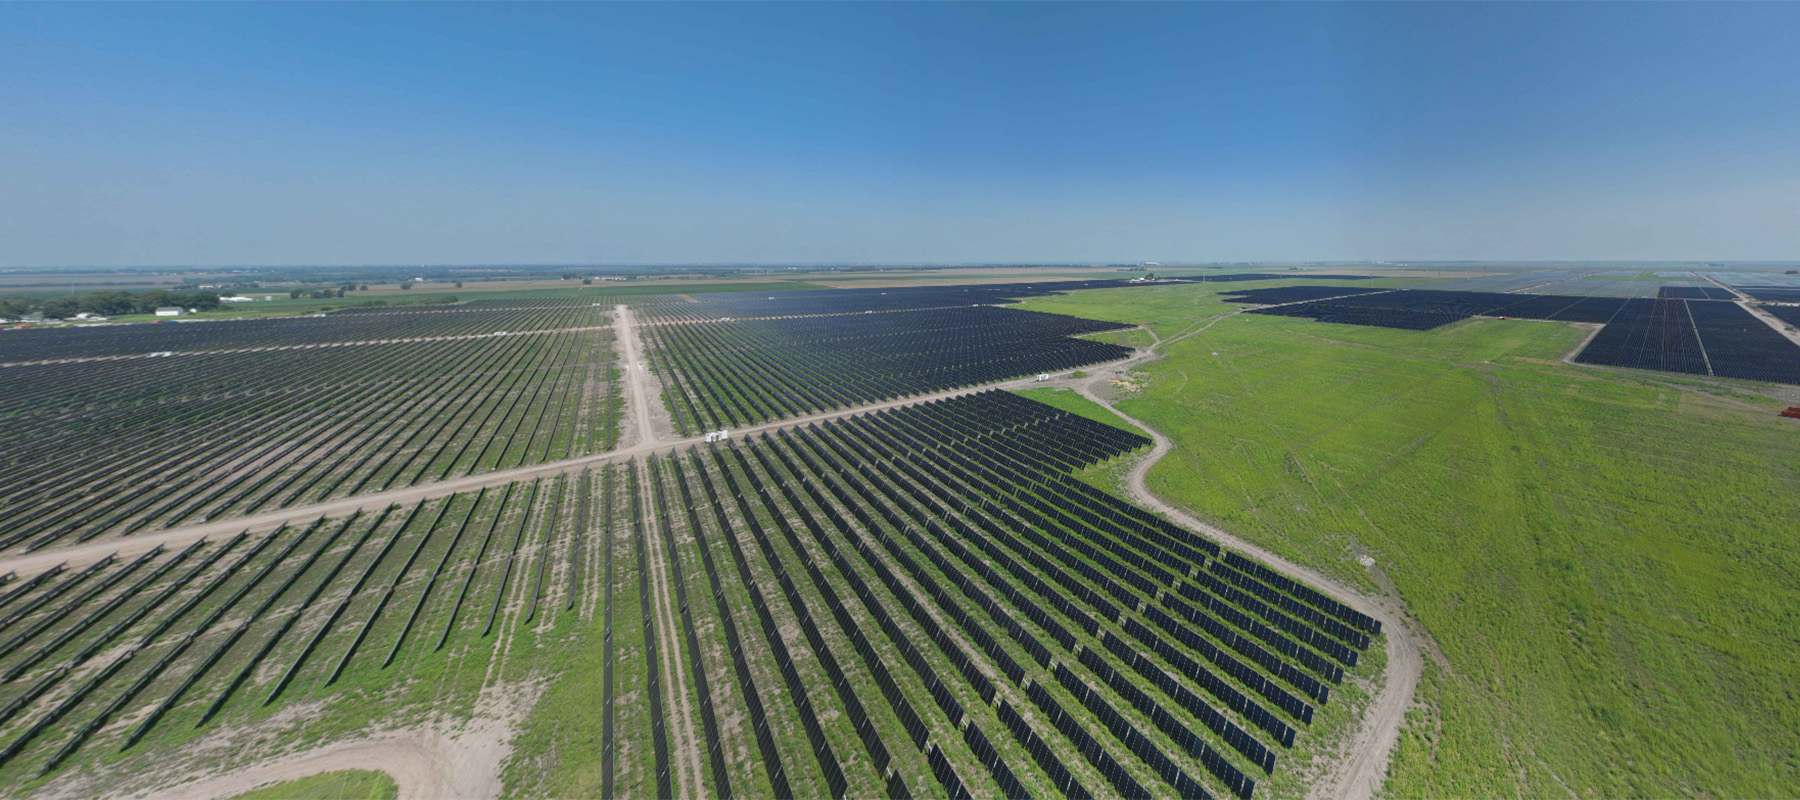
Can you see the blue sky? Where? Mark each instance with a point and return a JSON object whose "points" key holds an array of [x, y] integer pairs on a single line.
{"points": [[673, 133]]}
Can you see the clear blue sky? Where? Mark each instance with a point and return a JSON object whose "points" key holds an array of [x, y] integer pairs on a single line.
{"points": [[466, 133]]}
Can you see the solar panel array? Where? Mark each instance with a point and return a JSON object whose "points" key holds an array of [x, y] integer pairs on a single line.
{"points": [[1738, 345], [1505, 283], [1745, 278], [1290, 294], [1664, 334], [737, 373], [755, 305], [1773, 294], [1426, 309], [1235, 277], [1594, 287], [38, 344], [120, 446], [1707, 292], [1696, 338], [1787, 314]]}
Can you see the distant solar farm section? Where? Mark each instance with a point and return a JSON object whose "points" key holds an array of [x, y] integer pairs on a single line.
{"points": [[351, 325], [739, 372], [912, 597], [1688, 327], [129, 445]]}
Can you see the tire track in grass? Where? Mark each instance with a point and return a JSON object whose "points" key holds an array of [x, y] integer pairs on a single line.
{"points": [[690, 747]]}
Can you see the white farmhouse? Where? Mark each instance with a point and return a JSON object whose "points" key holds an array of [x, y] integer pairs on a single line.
{"points": [[169, 311]]}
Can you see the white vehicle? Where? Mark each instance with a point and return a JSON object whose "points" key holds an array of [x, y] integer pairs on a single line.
{"points": [[1043, 376]]}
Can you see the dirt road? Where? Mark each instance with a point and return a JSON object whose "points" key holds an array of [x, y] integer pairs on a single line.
{"points": [[425, 767], [636, 371], [79, 555], [413, 765], [1361, 767]]}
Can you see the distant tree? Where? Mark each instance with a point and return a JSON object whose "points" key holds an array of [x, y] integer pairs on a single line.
{"points": [[340, 293], [109, 303], [459, 284], [587, 281], [406, 285], [16, 306], [62, 307], [364, 287], [156, 298], [294, 295]]}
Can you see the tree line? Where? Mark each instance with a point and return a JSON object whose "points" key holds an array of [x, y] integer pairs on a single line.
{"points": [[107, 304]]}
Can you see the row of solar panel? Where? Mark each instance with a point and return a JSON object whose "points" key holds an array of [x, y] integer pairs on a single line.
{"points": [[1696, 338]]}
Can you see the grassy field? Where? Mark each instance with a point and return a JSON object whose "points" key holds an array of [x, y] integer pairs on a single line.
{"points": [[1134, 338], [1073, 403], [353, 784], [1603, 559]]}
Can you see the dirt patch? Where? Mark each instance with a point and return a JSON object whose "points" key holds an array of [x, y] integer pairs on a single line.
{"points": [[441, 760], [636, 370]]}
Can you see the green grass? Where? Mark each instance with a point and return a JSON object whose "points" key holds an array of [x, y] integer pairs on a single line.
{"points": [[1603, 559], [1134, 338], [1068, 400], [353, 784]]}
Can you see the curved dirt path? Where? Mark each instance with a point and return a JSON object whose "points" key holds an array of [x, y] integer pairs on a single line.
{"points": [[1362, 766], [420, 770], [415, 768], [427, 766], [432, 761]]}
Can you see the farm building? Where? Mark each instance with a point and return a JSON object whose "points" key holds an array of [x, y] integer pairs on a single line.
{"points": [[168, 311]]}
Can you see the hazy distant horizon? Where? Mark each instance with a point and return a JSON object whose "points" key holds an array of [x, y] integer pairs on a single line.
{"points": [[777, 265]]}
